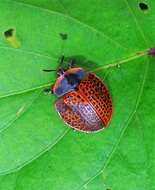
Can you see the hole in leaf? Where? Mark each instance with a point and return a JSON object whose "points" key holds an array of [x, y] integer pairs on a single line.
{"points": [[9, 33], [143, 6], [63, 36], [10, 36]]}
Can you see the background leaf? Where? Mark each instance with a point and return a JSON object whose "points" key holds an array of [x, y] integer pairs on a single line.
{"points": [[38, 151]]}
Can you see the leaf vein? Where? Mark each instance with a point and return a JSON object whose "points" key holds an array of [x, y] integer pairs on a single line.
{"points": [[138, 25], [18, 116], [76, 20], [50, 146], [114, 148]]}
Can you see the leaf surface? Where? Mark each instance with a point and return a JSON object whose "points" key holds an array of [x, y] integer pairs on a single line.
{"points": [[38, 151]]}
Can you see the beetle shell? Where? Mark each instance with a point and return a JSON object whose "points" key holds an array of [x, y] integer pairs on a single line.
{"points": [[88, 107]]}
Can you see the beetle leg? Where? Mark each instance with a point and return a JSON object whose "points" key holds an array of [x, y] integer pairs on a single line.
{"points": [[61, 59], [48, 70], [71, 63], [60, 72], [48, 91]]}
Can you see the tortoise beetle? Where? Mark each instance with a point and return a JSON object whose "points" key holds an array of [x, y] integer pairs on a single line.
{"points": [[84, 102]]}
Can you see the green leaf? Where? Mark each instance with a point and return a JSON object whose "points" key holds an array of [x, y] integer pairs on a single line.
{"points": [[37, 150]]}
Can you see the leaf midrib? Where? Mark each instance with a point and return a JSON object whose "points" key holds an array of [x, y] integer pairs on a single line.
{"points": [[106, 66], [122, 61]]}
